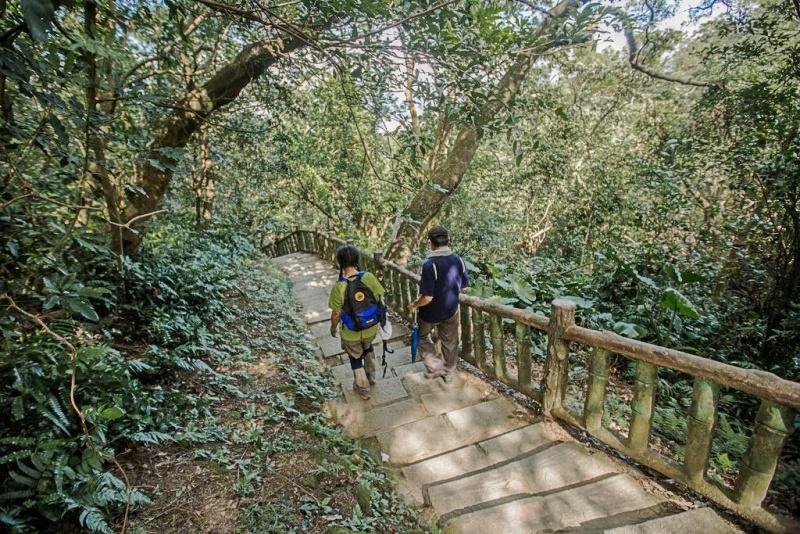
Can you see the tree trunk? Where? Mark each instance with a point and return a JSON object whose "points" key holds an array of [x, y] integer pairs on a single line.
{"points": [[95, 162], [156, 169], [204, 183], [446, 177]]}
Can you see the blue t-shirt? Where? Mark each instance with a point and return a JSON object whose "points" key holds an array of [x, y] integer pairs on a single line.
{"points": [[443, 278]]}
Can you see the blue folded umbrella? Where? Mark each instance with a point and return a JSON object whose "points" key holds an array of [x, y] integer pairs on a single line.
{"points": [[414, 339]]}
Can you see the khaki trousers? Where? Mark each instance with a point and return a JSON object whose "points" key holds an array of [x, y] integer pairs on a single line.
{"points": [[447, 331], [366, 374]]}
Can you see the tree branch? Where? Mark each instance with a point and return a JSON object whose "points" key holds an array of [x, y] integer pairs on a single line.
{"points": [[633, 60]]}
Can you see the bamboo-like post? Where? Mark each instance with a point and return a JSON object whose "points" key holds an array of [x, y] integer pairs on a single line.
{"points": [[562, 316], [479, 339], [498, 351], [408, 293], [377, 257], [466, 333], [331, 247], [394, 290], [522, 334], [644, 397], [597, 380], [702, 419], [774, 423]]}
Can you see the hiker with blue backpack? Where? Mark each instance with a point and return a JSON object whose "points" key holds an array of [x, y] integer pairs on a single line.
{"points": [[444, 276], [356, 304]]}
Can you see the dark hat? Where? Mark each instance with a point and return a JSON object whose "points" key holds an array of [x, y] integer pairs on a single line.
{"points": [[437, 231]]}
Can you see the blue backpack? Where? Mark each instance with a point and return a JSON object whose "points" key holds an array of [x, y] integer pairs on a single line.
{"points": [[361, 309]]}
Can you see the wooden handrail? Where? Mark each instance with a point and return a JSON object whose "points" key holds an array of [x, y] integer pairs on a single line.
{"points": [[762, 384], [780, 398], [759, 383]]}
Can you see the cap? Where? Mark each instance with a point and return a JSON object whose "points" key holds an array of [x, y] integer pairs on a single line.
{"points": [[437, 231]]}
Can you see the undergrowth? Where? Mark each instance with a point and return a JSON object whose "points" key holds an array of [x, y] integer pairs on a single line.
{"points": [[138, 334], [277, 462]]}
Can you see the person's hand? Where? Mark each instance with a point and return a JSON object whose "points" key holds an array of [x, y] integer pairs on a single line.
{"points": [[333, 331], [411, 308]]}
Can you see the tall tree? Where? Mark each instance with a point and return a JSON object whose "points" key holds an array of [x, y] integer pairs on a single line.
{"points": [[427, 203]]}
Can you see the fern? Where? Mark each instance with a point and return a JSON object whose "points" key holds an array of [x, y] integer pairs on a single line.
{"points": [[153, 438], [17, 455], [94, 519], [56, 415]]}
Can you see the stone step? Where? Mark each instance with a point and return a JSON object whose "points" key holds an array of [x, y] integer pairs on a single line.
{"points": [[304, 268], [312, 292], [471, 458], [443, 433], [383, 392], [407, 369], [333, 347], [297, 269], [322, 332], [556, 467], [587, 507], [365, 418], [295, 258], [316, 313], [703, 520], [359, 421]]}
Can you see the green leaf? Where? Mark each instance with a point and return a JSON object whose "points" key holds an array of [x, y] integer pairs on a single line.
{"points": [[84, 308], [111, 413], [523, 290], [626, 329], [645, 280], [676, 301]]}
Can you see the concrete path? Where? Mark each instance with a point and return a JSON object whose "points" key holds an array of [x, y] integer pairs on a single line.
{"points": [[474, 459]]}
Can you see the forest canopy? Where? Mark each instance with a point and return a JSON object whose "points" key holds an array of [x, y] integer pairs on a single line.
{"points": [[640, 158]]}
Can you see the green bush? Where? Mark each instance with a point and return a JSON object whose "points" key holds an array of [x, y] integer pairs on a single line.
{"points": [[49, 466]]}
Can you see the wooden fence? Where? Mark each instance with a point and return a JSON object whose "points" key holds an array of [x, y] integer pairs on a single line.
{"points": [[774, 422]]}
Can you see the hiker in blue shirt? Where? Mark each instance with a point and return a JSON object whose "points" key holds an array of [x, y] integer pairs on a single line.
{"points": [[444, 276]]}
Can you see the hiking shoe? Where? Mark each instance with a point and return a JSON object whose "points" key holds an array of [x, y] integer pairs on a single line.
{"points": [[362, 392]]}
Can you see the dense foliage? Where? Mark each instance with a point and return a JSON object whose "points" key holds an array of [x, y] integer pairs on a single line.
{"points": [[148, 146]]}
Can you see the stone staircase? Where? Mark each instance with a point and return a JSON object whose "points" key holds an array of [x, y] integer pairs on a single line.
{"points": [[472, 458]]}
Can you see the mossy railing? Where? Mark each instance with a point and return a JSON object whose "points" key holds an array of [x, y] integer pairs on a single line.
{"points": [[779, 398]]}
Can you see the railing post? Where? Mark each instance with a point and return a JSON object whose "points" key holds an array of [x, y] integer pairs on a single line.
{"points": [[562, 316], [642, 405], [295, 239], [408, 292], [522, 334], [478, 339], [466, 333], [498, 351], [702, 419], [377, 257], [774, 423], [594, 405]]}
